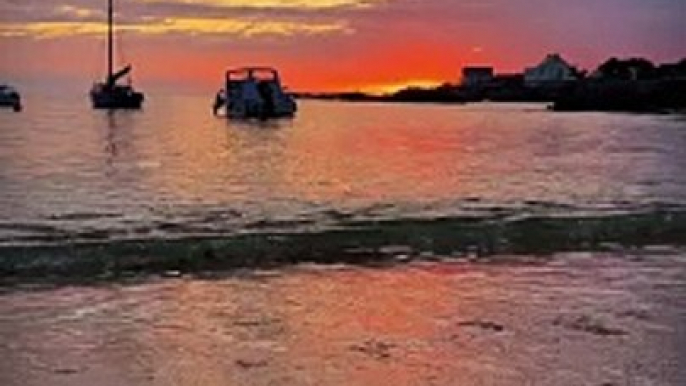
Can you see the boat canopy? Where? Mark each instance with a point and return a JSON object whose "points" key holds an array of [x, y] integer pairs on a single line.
{"points": [[6, 89]]}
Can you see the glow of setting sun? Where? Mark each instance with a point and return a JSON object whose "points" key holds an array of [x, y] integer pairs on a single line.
{"points": [[389, 88]]}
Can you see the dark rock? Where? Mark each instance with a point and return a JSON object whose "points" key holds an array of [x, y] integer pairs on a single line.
{"points": [[586, 324], [375, 349], [248, 364], [482, 324]]}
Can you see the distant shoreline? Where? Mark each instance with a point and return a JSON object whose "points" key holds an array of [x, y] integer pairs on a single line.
{"points": [[641, 96], [629, 85]]}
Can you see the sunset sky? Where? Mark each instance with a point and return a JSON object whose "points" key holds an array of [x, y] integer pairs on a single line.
{"points": [[326, 45]]}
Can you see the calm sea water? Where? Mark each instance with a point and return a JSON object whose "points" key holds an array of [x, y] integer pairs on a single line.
{"points": [[419, 176], [584, 213]]}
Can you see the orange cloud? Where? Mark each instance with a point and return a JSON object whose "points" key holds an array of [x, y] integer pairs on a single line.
{"points": [[190, 26], [278, 4]]}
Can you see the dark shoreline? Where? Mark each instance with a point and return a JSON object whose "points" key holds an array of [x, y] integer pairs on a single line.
{"points": [[642, 96]]}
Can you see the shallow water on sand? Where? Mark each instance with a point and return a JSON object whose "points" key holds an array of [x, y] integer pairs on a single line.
{"points": [[573, 319]]}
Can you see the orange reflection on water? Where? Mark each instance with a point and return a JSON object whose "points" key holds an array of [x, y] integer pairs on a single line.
{"points": [[344, 154], [301, 329], [189, 155], [327, 153], [374, 152]]}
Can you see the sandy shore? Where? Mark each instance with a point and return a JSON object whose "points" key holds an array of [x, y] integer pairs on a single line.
{"points": [[571, 319]]}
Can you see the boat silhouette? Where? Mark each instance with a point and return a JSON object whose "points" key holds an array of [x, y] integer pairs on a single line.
{"points": [[254, 92], [9, 97], [109, 94]]}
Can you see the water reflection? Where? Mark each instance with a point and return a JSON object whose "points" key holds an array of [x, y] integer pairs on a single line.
{"points": [[120, 125], [111, 148], [175, 158]]}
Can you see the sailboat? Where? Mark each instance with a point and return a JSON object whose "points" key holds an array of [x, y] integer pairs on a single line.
{"points": [[109, 94]]}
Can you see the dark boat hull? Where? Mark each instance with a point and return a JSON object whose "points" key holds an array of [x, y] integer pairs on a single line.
{"points": [[116, 99], [10, 99], [15, 104]]}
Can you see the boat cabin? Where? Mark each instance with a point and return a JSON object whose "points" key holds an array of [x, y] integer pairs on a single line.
{"points": [[255, 92]]}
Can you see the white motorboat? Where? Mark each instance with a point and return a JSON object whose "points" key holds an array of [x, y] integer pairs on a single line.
{"points": [[254, 92]]}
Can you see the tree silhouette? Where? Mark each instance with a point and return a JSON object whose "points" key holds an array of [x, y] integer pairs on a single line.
{"points": [[628, 69]]}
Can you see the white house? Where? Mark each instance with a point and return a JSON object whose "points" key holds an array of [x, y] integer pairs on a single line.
{"points": [[552, 71]]}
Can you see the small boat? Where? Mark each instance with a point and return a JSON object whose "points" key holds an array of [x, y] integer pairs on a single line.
{"points": [[254, 92], [109, 94], [9, 97]]}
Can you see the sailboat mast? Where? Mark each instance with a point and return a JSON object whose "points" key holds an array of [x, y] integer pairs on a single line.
{"points": [[110, 40]]}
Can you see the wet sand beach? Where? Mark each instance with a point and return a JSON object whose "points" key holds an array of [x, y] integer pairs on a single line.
{"points": [[614, 318]]}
